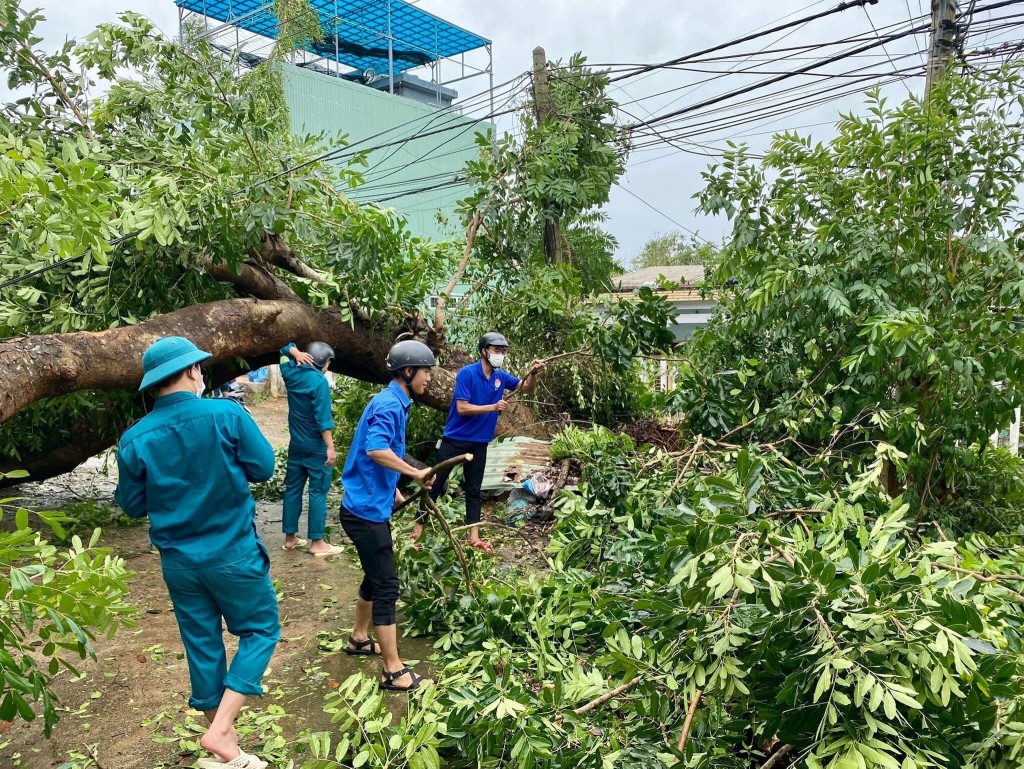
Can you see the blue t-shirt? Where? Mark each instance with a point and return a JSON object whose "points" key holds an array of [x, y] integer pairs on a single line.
{"points": [[309, 407], [370, 487], [188, 466], [477, 389]]}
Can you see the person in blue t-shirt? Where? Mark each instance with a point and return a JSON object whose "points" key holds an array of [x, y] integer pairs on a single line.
{"points": [[187, 466], [311, 448], [478, 400], [370, 480]]}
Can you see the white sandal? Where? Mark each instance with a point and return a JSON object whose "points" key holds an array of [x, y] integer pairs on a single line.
{"points": [[242, 761], [335, 550]]}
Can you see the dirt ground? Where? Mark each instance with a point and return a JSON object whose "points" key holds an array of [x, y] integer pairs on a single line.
{"points": [[129, 708]]}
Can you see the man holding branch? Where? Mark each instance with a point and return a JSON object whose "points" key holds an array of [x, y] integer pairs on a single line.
{"points": [[373, 466]]}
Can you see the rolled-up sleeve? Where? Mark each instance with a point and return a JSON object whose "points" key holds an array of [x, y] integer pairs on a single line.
{"points": [[322, 407], [130, 494], [255, 454]]}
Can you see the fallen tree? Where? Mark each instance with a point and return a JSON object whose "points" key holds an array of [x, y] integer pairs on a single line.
{"points": [[162, 209]]}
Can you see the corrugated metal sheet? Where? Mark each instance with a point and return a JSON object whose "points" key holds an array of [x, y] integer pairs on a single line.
{"points": [[685, 274], [512, 461], [356, 32], [322, 104]]}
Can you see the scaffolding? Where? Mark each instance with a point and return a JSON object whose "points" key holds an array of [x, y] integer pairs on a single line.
{"points": [[363, 41]]}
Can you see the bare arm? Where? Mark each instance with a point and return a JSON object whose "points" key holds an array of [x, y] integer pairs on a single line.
{"points": [[332, 457], [529, 383], [467, 409]]}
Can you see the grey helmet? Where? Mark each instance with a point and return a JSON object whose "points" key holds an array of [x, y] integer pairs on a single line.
{"points": [[322, 353], [492, 338], [409, 354]]}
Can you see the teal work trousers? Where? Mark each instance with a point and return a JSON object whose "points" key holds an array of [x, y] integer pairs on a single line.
{"points": [[300, 471], [241, 594]]}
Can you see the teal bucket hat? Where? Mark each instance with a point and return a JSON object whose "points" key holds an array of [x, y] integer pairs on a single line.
{"points": [[166, 357]]}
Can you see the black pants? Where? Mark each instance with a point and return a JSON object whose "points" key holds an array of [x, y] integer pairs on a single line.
{"points": [[474, 475], [377, 555]]}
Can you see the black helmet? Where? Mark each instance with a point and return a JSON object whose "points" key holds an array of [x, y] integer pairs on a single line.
{"points": [[492, 339], [409, 354], [322, 353]]}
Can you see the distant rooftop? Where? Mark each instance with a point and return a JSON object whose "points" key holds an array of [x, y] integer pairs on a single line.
{"points": [[356, 32], [685, 275]]}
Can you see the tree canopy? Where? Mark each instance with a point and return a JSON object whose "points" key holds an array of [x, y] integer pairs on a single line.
{"points": [[872, 287], [675, 249]]}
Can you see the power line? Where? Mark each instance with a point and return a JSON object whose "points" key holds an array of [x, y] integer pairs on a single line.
{"points": [[660, 212], [884, 49], [771, 81], [747, 38]]}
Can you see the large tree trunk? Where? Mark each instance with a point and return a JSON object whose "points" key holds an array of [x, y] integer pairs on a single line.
{"points": [[44, 366]]}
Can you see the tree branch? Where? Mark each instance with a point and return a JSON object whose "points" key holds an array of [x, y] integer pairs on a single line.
{"points": [[442, 299], [28, 55], [599, 701], [251, 279], [274, 250], [691, 711], [781, 753], [993, 579]]}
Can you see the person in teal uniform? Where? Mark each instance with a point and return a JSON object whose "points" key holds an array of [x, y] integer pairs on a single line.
{"points": [[187, 466], [370, 479], [311, 454]]}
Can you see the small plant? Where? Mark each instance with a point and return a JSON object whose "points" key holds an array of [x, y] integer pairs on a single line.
{"points": [[53, 602], [575, 443]]}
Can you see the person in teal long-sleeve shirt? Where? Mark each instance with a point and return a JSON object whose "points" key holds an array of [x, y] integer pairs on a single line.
{"points": [[187, 466], [311, 453]]}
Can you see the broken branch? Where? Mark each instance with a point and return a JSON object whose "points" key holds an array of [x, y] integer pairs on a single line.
{"points": [[785, 750], [599, 701], [439, 467], [691, 711], [442, 298]]}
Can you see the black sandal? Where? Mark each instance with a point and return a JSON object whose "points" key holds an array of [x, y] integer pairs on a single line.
{"points": [[388, 684], [358, 648]]}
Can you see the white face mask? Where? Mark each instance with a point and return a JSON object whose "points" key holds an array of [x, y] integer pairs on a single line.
{"points": [[497, 359], [201, 387]]}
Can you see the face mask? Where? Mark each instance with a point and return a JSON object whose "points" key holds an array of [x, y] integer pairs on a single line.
{"points": [[201, 387], [497, 359]]}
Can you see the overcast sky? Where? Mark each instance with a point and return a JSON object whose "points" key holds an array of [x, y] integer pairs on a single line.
{"points": [[639, 31]]}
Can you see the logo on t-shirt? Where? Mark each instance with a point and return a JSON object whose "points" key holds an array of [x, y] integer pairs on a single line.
{"points": [[497, 384]]}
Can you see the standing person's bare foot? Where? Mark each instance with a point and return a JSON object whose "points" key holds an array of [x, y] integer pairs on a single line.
{"points": [[292, 541], [224, 745], [321, 548]]}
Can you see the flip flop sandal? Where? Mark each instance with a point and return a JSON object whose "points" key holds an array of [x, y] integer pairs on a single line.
{"points": [[358, 648], [388, 684], [335, 550], [242, 761], [298, 543], [483, 546]]}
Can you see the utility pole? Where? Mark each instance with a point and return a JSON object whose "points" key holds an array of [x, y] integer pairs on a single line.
{"points": [[944, 41], [545, 108]]}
